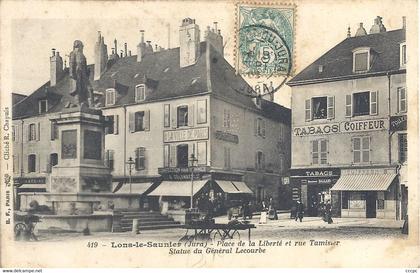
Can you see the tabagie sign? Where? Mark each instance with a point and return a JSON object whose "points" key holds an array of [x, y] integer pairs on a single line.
{"points": [[186, 134], [341, 127]]}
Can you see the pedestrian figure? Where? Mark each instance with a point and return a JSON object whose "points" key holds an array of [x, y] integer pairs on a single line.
{"points": [[328, 212], [272, 212], [299, 211]]}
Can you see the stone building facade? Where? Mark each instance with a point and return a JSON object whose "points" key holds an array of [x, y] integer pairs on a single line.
{"points": [[349, 138], [161, 107]]}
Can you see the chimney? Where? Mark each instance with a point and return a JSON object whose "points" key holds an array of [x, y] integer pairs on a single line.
{"points": [[122, 53], [189, 42], [361, 31], [125, 49], [404, 23], [129, 53], [101, 57], [115, 46], [214, 38], [348, 32], [141, 47], [377, 27], [56, 67]]}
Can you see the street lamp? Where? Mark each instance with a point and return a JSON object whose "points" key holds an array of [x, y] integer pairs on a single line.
{"points": [[130, 164], [193, 160]]}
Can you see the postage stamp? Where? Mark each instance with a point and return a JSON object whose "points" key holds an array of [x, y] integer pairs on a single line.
{"points": [[265, 40]]}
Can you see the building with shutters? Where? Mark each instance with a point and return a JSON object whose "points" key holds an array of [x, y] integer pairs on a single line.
{"points": [[161, 107], [349, 139]]}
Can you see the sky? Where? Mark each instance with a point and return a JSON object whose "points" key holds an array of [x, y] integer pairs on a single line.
{"points": [[38, 28]]}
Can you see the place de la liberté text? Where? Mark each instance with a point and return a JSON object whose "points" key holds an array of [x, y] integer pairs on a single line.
{"points": [[224, 247]]}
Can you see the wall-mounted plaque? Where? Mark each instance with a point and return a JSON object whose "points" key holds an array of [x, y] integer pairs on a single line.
{"points": [[69, 144], [92, 145]]}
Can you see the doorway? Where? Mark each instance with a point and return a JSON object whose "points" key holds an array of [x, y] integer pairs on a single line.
{"points": [[371, 204], [182, 155]]}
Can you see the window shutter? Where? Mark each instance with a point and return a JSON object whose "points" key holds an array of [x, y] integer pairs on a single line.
{"points": [[106, 130], [131, 122], [28, 132], [256, 126], [192, 150], [263, 127], [191, 115], [116, 124], [174, 117], [166, 115], [349, 105], [48, 164], [256, 160], [147, 120], [373, 102], [331, 107], [38, 163], [166, 156], [323, 151], [173, 159], [106, 158], [52, 130], [263, 161], [38, 133], [308, 110], [402, 99]]}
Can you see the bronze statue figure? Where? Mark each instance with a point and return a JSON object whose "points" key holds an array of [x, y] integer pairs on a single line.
{"points": [[79, 75]]}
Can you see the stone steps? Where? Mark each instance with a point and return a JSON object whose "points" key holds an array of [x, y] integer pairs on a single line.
{"points": [[123, 221]]}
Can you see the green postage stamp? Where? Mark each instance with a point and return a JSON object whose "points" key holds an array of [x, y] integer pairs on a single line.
{"points": [[265, 40]]}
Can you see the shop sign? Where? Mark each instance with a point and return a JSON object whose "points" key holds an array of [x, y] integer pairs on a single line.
{"points": [[186, 134], [225, 136], [367, 171], [186, 170], [29, 180], [342, 127], [319, 172], [182, 177], [398, 123]]}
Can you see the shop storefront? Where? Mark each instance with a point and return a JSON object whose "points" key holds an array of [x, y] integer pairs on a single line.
{"points": [[313, 187], [368, 193]]}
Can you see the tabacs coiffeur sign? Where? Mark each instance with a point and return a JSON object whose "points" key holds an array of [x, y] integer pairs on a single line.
{"points": [[341, 127]]}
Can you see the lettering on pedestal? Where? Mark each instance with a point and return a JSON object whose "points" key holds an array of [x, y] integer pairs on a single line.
{"points": [[63, 184]]}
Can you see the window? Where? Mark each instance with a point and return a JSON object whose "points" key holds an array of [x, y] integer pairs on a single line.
{"points": [[140, 158], [259, 161], [182, 114], [110, 97], [109, 159], [141, 121], [53, 159], [403, 54], [43, 106], [319, 151], [361, 104], [402, 147], [31, 163], [227, 157], [166, 156], [226, 118], [140, 93], [182, 155], [402, 100], [166, 115], [380, 200], [319, 108], [54, 130], [32, 132], [361, 60], [259, 125], [361, 149], [111, 125]]}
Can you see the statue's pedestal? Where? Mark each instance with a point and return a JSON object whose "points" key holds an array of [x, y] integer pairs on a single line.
{"points": [[80, 167]]}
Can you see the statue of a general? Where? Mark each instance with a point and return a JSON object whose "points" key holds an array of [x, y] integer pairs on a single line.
{"points": [[79, 75]]}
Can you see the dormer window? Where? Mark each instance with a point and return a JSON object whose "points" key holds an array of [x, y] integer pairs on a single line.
{"points": [[43, 106], [110, 97], [361, 60], [140, 93], [403, 55]]}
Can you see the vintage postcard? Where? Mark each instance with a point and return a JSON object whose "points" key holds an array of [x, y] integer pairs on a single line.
{"points": [[209, 134]]}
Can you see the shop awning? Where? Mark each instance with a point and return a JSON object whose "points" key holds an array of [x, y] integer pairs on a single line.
{"points": [[233, 186], [364, 182], [136, 188], [178, 188], [227, 186], [242, 187], [33, 186]]}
